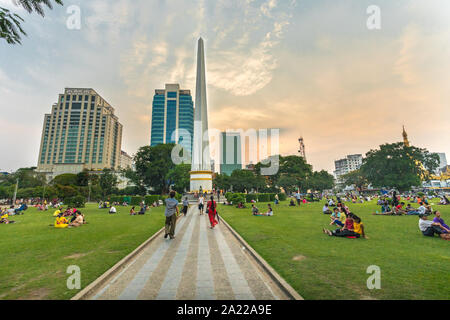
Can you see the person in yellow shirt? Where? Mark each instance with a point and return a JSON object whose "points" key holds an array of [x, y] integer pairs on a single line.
{"points": [[61, 222], [5, 219], [358, 226], [57, 212]]}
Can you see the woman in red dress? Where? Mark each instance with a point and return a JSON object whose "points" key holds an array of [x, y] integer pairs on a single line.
{"points": [[212, 212]]}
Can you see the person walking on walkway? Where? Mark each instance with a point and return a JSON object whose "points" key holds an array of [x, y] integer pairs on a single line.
{"points": [[171, 214], [212, 212], [201, 204]]}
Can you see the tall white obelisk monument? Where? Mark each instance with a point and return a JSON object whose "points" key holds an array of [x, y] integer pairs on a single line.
{"points": [[201, 174]]}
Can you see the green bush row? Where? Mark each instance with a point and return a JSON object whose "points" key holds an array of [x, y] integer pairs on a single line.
{"points": [[259, 197]]}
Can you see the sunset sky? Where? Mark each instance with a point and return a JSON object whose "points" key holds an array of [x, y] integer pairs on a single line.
{"points": [[311, 68]]}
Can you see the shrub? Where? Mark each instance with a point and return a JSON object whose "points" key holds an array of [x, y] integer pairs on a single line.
{"points": [[251, 196], [136, 200], [282, 196], [76, 202], [264, 197], [237, 198], [152, 198]]}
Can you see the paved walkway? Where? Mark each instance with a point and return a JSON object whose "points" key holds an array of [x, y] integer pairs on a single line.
{"points": [[200, 264]]}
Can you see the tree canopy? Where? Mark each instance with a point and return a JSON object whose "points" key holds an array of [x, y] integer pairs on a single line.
{"points": [[10, 23], [398, 166]]}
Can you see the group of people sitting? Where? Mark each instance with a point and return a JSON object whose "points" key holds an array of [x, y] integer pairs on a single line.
{"points": [[350, 225], [13, 211], [142, 211], [4, 216], [436, 226], [255, 211], [77, 220], [444, 201], [400, 209]]}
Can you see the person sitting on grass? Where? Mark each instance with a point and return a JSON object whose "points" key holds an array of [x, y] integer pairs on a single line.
{"points": [[4, 219], [438, 219], [347, 231], [57, 212], [112, 210], [269, 213], [61, 222], [292, 203], [142, 210], [325, 209], [338, 218], [78, 221], [398, 210], [241, 205], [132, 211], [255, 210], [430, 228]]}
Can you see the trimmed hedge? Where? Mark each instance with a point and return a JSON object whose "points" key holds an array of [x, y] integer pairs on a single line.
{"points": [[152, 198], [136, 200], [282, 196]]}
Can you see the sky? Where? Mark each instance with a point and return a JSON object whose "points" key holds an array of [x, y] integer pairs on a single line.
{"points": [[311, 68]]}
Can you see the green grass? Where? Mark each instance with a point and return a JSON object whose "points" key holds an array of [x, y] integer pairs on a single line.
{"points": [[34, 256], [412, 266]]}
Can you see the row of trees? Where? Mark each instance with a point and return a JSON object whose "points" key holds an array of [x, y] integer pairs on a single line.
{"points": [[394, 166], [293, 174], [34, 185]]}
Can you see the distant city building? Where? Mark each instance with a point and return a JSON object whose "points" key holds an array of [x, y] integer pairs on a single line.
{"points": [[173, 109], [302, 149], [126, 161], [348, 164], [230, 152], [442, 162], [81, 133]]}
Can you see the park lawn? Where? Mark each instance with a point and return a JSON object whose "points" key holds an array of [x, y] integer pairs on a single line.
{"points": [[321, 267], [34, 257]]}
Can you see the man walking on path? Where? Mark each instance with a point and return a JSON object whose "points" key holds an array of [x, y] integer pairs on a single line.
{"points": [[171, 214]]}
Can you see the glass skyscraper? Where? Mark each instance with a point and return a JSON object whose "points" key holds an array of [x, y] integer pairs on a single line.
{"points": [[173, 109], [230, 152], [80, 133]]}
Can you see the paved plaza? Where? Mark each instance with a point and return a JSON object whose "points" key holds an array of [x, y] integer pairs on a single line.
{"points": [[199, 264]]}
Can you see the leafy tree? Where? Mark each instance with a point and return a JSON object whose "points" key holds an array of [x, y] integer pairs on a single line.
{"points": [[67, 179], [243, 180], [356, 178], [28, 178], [152, 166], [83, 178], [180, 177], [108, 182], [10, 23], [222, 182], [320, 181], [399, 166]]}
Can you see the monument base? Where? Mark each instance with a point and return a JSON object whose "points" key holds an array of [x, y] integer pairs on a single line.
{"points": [[201, 180]]}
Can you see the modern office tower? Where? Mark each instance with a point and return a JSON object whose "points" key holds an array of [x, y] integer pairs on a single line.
{"points": [[81, 133], [230, 152], [302, 149], [173, 109], [348, 164]]}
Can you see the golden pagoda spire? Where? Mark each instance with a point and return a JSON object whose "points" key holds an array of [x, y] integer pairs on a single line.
{"points": [[405, 138]]}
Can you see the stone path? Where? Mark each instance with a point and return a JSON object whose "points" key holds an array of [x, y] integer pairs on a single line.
{"points": [[200, 264]]}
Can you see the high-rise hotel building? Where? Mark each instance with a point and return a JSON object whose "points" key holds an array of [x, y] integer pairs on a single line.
{"points": [[173, 109], [81, 132]]}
